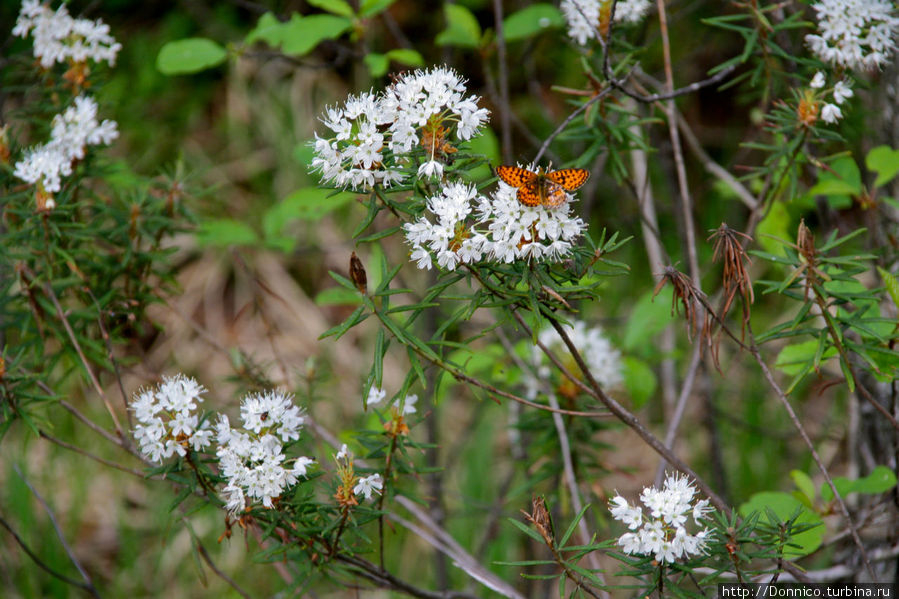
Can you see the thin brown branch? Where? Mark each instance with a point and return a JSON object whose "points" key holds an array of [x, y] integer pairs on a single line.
{"points": [[785, 402]]}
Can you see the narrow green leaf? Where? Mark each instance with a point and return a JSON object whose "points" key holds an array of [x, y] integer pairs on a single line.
{"points": [[308, 203], [891, 284], [573, 526]]}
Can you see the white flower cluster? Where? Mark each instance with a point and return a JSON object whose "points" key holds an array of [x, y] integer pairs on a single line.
{"points": [[841, 92], [167, 422], [470, 226], [372, 135], [252, 460], [59, 38], [73, 130], [597, 351], [406, 406], [583, 15], [663, 533], [854, 33]]}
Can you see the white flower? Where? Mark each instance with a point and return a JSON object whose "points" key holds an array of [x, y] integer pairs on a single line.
{"points": [[368, 485], [663, 534], [854, 33], [58, 37], [831, 113], [601, 357], [583, 16], [272, 411], [470, 227], [430, 169], [375, 396], [841, 92], [343, 453], [372, 135], [166, 422], [252, 460], [73, 130], [409, 404], [818, 80]]}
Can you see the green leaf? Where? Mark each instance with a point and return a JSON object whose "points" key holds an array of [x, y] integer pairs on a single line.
{"points": [[337, 296], [785, 507], [370, 8], [406, 56], [462, 28], [639, 379], [303, 34], [885, 162], [649, 317], [309, 203], [839, 184], [531, 21], [805, 485], [225, 232], [775, 224], [880, 480], [377, 63], [337, 7], [189, 56], [268, 29], [796, 357], [486, 144], [891, 284]]}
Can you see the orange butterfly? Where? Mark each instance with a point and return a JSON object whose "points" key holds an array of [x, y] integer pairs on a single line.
{"points": [[546, 188]]}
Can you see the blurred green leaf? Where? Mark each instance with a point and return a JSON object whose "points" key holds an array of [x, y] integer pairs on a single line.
{"points": [[797, 357], [891, 284], [308, 203], [785, 506], [487, 145], [370, 8], [303, 34], [883, 160], [531, 20], [225, 232], [880, 480], [406, 56], [337, 7], [189, 56], [338, 296], [268, 29], [462, 28], [649, 317], [639, 379], [839, 184], [775, 224], [805, 485], [377, 63]]}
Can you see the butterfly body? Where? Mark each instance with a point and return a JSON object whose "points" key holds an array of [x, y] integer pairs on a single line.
{"points": [[543, 188]]}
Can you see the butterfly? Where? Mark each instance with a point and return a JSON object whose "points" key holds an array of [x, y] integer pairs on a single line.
{"points": [[546, 188]]}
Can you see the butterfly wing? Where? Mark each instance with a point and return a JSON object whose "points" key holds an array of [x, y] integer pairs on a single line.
{"points": [[569, 178], [526, 181]]}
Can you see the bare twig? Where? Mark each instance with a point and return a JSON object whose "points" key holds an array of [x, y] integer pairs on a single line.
{"points": [[86, 587], [59, 535]]}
